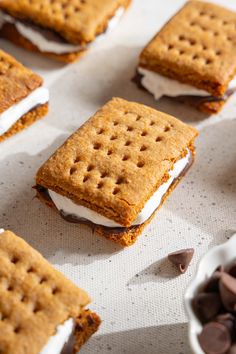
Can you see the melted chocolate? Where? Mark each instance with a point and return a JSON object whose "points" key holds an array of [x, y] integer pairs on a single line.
{"points": [[106, 230], [190, 99]]}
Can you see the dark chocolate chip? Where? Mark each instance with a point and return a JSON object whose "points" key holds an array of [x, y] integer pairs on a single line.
{"points": [[220, 268], [227, 286], [212, 283], [207, 305], [232, 349], [228, 320], [232, 270], [181, 259], [215, 338]]}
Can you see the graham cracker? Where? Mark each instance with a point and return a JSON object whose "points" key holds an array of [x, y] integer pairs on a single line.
{"points": [[77, 21], [126, 236], [10, 32], [25, 121], [34, 297], [86, 325], [125, 145], [16, 81], [196, 47]]}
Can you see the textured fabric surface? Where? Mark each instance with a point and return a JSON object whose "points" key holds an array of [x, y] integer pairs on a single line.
{"points": [[135, 291]]}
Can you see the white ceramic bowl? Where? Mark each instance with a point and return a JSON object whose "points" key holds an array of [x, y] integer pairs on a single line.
{"points": [[223, 254]]}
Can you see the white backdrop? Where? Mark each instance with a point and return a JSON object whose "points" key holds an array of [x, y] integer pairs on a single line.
{"points": [[136, 292]]}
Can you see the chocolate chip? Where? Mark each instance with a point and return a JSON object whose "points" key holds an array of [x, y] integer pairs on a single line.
{"points": [[207, 305], [220, 268], [212, 284], [227, 286], [215, 338], [227, 320], [232, 270], [181, 259], [232, 350]]}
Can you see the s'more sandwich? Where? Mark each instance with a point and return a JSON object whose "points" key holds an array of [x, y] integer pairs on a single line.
{"points": [[23, 98], [192, 59], [59, 29], [116, 171], [41, 312]]}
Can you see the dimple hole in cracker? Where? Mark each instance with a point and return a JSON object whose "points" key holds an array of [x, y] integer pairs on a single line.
{"points": [[158, 139], [143, 148], [73, 170], [125, 158], [30, 270], [120, 180], [140, 164], [90, 168], [55, 290], [104, 174], [42, 280], [128, 143], [113, 137], [15, 260], [109, 152], [77, 159], [115, 191], [86, 178], [144, 133], [130, 129], [97, 146], [100, 131], [17, 329], [100, 185], [36, 308]]}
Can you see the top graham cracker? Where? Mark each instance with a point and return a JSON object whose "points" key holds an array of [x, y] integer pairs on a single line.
{"points": [[34, 298], [16, 81], [117, 159], [197, 46], [77, 21]]}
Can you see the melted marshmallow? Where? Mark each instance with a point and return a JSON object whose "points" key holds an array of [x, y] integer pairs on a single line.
{"points": [[46, 45], [57, 342], [15, 112], [160, 85], [70, 208]]}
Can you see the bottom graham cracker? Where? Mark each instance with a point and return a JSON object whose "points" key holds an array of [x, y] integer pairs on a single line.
{"points": [[86, 325], [25, 121], [9, 32], [123, 236]]}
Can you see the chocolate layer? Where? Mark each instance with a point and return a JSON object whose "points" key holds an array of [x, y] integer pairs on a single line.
{"points": [[106, 230]]}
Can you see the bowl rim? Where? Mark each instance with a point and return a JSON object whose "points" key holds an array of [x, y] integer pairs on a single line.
{"points": [[216, 255]]}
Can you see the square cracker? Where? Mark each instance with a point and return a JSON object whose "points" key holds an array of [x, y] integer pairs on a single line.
{"points": [[77, 21], [116, 161], [16, 81], [197, 46], [34, 297]]}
